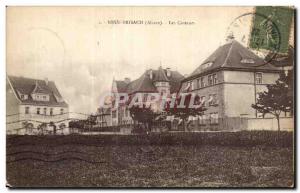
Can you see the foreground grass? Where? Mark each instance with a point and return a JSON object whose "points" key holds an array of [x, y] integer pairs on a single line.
{"points": [[149, 166]]}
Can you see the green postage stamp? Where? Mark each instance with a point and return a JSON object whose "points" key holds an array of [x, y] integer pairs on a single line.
{"points": [[271, 28]]}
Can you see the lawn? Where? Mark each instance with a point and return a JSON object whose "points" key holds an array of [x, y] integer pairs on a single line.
{"points": [[54, 164]]}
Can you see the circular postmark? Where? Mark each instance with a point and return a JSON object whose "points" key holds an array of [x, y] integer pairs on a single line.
{"points": [[259, 33]]}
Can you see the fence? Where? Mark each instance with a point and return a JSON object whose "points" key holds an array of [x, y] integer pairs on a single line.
{"points": [[39, 124], [61, 125]]}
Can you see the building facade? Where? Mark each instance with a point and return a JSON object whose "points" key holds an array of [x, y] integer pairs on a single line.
{"points": [[229, 81], [33, 102], [162, 81]]}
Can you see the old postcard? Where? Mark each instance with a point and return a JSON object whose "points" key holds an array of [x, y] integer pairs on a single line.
{"points": [[150, 97]]}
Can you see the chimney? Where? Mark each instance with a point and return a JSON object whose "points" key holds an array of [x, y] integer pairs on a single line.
{"points": [[127, 80], [151, 74], [46, 81], [230, 38], [168, 72]]}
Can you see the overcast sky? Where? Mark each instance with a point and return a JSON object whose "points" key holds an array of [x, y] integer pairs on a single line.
{"points": [[81, 52]]}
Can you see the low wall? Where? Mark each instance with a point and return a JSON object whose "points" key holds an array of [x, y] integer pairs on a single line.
{"points": [[286, 124]]}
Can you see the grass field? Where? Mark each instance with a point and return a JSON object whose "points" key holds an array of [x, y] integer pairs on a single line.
{"points": [[89, 165]]}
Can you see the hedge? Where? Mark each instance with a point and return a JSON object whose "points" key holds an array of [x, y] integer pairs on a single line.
{"points": [[241, 138]]}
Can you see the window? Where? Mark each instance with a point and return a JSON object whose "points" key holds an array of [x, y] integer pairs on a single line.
{"points": [[217, 118], [202, 82], [126, 112], [206, 65], [45, 111], [123, 112], [61, 111], [214, 118], [212, 101], [247, 61], [22, 96], [198, 83], [51, 111], [162, 92], [188, 86], [39, 97], [201, 120], [38, 110], [202, 99], [258, 78], [26, 110], [215, 80], [146, 96], [204, 119], [114, 114], [163, 84], [192, 85], [210, 80]]}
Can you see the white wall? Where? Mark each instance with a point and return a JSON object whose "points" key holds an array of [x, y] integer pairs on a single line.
{"points": [[286, 124], [248, 77]]}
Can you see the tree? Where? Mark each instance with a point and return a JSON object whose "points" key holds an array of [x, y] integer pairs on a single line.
{"points": [[144, 115], [276, 99], [28, 127], [288, 79], [183, 110], [51, 124], [41, 128], [62, 126]]}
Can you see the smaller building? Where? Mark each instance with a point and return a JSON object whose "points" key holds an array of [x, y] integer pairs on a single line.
{"points": [[162, 81], [34, 106], [103, 117]]}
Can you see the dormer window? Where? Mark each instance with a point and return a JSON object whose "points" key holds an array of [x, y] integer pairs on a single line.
{"points": [[23, 96], [161, 84], [206, 65], [40, 97], [247, 61]]}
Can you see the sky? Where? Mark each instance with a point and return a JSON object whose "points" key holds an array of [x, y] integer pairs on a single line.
{"points": [[78, 49]]}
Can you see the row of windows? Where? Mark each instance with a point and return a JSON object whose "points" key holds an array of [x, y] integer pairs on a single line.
{"points": [[212, 100], [40, 97], [212, 80], [212, 118], [37, 97], [42, 111], [200, 82]]}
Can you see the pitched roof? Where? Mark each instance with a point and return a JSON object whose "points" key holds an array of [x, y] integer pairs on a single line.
{"points": [[28, 86], [39, 89], [121, 85], [160, 75], [145, 84], [232, 55]]}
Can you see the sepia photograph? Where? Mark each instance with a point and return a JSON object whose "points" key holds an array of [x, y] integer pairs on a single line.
{"points": [[150, 97]]}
